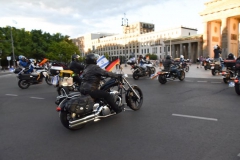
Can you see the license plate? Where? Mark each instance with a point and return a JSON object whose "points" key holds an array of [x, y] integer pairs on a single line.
{"points": [[231, 84], [212, 67]]}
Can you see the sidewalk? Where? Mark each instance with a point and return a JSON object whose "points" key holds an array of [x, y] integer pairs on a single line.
{"points": [[193, 72]]}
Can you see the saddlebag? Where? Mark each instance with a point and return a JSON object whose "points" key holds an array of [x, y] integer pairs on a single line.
{"points": [[80, 105], [229, 63], [24, 76]]}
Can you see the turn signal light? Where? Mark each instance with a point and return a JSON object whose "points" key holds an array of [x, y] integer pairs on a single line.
{"points": [[58, 109]]}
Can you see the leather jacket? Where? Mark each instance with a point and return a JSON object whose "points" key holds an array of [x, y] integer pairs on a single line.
{"points": [[167, 64], [76, 67], [91, 78]]}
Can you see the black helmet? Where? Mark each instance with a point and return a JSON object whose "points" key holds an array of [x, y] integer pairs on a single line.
{"points": [[91, 58], [75, 57], [168, 57], [230, 56]]}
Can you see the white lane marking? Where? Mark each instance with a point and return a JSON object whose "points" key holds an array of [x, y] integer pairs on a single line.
{"points": [[202, 81], [11, 95], [188, 116], [37, 98], [188, 80], [216, 82], [238, 155]]}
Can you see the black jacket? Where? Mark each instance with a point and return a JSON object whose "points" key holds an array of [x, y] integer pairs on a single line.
{"points": [[76, 67], [91, 78], [167, 64], [217, 52]]}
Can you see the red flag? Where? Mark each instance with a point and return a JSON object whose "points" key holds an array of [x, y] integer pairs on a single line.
{"points": [[111, 65]]}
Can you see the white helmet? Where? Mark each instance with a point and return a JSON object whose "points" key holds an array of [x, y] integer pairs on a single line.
{"points": [[181, 56], [215, 47]]}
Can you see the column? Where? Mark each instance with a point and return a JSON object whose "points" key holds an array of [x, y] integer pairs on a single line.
{"points": [[224, 39], [205, 40], [180, 50], [190, 52]]}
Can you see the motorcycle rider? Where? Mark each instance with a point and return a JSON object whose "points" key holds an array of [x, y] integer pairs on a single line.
{"points": [[23, 62], [168, 65], [144, 61], [76, 67], [91, 80]]}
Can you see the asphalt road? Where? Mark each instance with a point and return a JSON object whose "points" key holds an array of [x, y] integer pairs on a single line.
{"points": [[196, 119]]}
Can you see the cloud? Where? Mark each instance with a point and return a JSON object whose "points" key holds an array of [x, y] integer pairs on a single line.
{"points": [[78, 17]]}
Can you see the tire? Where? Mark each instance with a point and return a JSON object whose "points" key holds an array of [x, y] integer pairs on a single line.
{"points": [[62, 90], [48, 80], [213, 72], [162, 79], [226, 80], [135, 76], [187, 68], [153, 70], [182, 76], [64, 118], [132, 101], [237, 88], [205, 67], [23, 84]]}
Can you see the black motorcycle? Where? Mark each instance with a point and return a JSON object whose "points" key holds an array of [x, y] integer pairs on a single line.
{"points": [[76, 110], [164, 75], [139, 71], [230, 73], [27, 79]]}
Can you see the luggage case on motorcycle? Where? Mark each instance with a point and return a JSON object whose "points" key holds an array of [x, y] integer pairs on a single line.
{"points": [[80, 105], [66, 73], [229, 63], [24, 76], [55, 70]]}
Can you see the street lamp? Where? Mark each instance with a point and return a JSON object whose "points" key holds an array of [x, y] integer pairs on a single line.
{"points": [[13, 49], [125, 24]]}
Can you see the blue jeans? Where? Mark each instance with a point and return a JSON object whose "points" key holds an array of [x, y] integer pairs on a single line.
{"points": [[173, 69]]}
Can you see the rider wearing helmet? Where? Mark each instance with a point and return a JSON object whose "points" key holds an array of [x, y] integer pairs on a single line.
{"points": [[23, 62], [143, 61], [91, 78], [230, 56], [217, 53], [76, 67], [168, 65]]}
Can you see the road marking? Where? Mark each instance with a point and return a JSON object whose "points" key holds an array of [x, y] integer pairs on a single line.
{"points": [[216, 82], [238, 155], [11, 95], [188, 116], [37, 98], [202, 81], [188, 80]]}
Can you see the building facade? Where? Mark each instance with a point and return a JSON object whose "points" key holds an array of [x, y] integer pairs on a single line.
{"points": [[139, 39]]}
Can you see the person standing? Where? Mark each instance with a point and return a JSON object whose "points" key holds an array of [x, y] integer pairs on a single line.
{"points": [[217, 53]]}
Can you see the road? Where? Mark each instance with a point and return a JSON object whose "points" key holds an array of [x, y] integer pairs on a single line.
{"points": [[197, 118]]}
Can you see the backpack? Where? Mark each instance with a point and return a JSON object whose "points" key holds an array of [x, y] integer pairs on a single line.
{"points": [[237, 66]]}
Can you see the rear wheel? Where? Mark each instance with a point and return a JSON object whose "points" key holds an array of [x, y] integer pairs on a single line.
{"points": [[213, 72], [132, 100], [65, 117], [182, 76], [237, 88], [205, 67], [162, 79], [226, 80], [23, 84]]}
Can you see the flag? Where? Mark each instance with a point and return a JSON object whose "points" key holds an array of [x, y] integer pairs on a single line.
{"points": [[111, 65], [102, 62], [43, 61]]}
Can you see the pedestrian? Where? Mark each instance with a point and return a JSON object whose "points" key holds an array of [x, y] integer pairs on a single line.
{"points": [[198, 61], [201, 61]]}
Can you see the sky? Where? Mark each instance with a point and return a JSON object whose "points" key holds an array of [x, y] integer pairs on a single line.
{"points": [[76, 18]]}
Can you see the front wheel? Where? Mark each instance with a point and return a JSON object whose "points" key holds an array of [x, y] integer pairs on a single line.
{"points": [[135, 75], [162, 79], [65, 117], [213, 72], [182, 76], [153, 70], [226, 80], [48, 80], [187, 68], [23, 84], [132, 100], [237, 88]]}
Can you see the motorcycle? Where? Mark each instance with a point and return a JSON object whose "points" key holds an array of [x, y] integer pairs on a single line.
{"points": [[76, 110], [139, 71], [164, 76], [207, 64], [216, 68], [36, 77], [185, 66], [230, 73]]}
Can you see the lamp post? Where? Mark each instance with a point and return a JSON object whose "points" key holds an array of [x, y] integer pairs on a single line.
{"points": [[125, 24], [13, 49], [0, 59]]}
